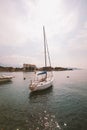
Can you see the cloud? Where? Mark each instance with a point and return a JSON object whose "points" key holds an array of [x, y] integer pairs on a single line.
{"points": [[16, 60], [21, 30], [23, 20], [13, 22], [79, 41]]}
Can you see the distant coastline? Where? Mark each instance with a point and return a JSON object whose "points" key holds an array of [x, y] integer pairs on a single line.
{"points": [[17, 69]]}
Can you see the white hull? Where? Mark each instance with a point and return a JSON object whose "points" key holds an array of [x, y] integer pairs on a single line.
{"points": [[38, 86], [4, 78]]}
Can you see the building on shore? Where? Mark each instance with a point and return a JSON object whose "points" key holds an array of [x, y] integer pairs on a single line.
{"points": [[29, 67]]}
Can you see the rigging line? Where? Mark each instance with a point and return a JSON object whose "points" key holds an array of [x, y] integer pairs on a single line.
{"points": [[49, 57], [48, 54], [46, 47]]}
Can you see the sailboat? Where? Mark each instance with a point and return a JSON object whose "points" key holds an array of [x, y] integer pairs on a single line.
{"points": [[44, 79]]}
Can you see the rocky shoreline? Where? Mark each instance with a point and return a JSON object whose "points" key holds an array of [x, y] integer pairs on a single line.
{"points": [[16, 69]]}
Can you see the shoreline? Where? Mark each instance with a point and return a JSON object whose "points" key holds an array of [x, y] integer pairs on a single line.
{"points": [[12, 69]]}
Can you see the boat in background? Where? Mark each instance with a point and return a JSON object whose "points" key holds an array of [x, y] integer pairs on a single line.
{"points": [[5, 78], [43, 80]]}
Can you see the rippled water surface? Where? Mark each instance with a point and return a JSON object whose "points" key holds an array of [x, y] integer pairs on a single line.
{"points": [[64, 106]]}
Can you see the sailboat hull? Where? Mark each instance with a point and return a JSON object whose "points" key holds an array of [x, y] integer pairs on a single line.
{"points": [[41, 85]]}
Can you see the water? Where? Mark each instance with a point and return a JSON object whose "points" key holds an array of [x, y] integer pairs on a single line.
{"points": [[63, 107]]}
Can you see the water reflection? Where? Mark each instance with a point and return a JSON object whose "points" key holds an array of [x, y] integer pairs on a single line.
{"points": [[43, 118], [36, 94], [5, 82], [43, 121], [62, 107]]}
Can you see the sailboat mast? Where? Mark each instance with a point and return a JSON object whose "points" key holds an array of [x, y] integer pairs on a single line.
{"points": [[45, 46]]}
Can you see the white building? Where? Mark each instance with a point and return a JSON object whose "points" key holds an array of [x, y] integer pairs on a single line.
{"points": [[29, 67]]}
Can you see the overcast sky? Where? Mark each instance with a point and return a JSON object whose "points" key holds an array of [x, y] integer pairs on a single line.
{"points": [[21, 32]]}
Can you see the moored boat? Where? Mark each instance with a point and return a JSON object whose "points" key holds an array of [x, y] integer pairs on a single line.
{"points": [[46, 80], [5, 78]]}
